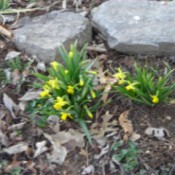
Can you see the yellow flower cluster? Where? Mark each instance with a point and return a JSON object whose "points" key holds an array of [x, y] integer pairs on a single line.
{"points": [[51, 84], [71, 54], [131, 86], [65, 115], [59, 103], [120, 76], [70, 89], [155, 99], [54, 65]]}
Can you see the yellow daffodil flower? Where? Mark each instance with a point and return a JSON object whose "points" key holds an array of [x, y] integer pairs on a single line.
{"points": [[59, 103], [81, 83], [71, 54], [93, 93], [92, 72], [44, 93], [131, 86], [120, 74], [66, 71], [155, 99], [70, 89], [46, 86], [65, 115], [122, 81], [53, 84], [54, 64], [88, 112]]}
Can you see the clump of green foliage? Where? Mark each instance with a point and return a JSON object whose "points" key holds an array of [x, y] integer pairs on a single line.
{"points": [[16, 64], [4, 4], [127, 156], [68, 89], [147, 85], [2, 75]]}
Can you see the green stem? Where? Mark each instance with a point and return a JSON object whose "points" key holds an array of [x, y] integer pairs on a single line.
{"points": [[85, 130]]}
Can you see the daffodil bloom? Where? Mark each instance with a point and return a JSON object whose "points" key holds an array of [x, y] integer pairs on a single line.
{"points": [[160, 78], [155, 99], [88, 112], [81, 82], [71, 54], [92, 72], [65, 115], [53, 84], [131, 86], [54, 64], [59, 103], [120, 74], [93, 93], [46, 86], [66, 71], [122, 81], [70, 89], [44, 93]]}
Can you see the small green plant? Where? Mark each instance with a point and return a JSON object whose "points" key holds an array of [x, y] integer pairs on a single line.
{"points": [[16, 171], [68, 89], [126, 156], [146, 86], [4, 4], [15, 64], [2, 75]]}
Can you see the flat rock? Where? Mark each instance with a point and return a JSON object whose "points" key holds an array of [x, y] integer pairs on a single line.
{"points": [[137, 26], [42, 35]]}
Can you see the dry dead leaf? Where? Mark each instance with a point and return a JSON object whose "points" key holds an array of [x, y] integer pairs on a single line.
{"points": [[16, 76], [23, 105], [159, 133], [12, 55], [105, 93], [59, 152], [3, 139], [126, 125], [104, 151], [5, 31], [98, 130], [10, 105], [18, 148], [134, 136], [88, 170], [2, 45], [41, 147], [30, 95], [15, 127]]}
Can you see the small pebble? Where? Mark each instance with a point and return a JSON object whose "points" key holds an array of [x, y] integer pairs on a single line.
{"points": [[168, 117]]}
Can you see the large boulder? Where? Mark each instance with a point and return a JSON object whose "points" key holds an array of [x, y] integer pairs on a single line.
{"points": [[137, 26], [42, 35]]}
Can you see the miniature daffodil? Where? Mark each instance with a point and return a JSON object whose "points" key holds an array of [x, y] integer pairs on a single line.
{"points": [[155, 99], [71, 54], [59, 103], [70, 89], [44, 93], [54, 65], [65, 115], [120, 74], [131, 86]]}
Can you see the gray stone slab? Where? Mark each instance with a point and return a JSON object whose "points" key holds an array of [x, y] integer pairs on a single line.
{"points": [[137, 26], [42, 35]]}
